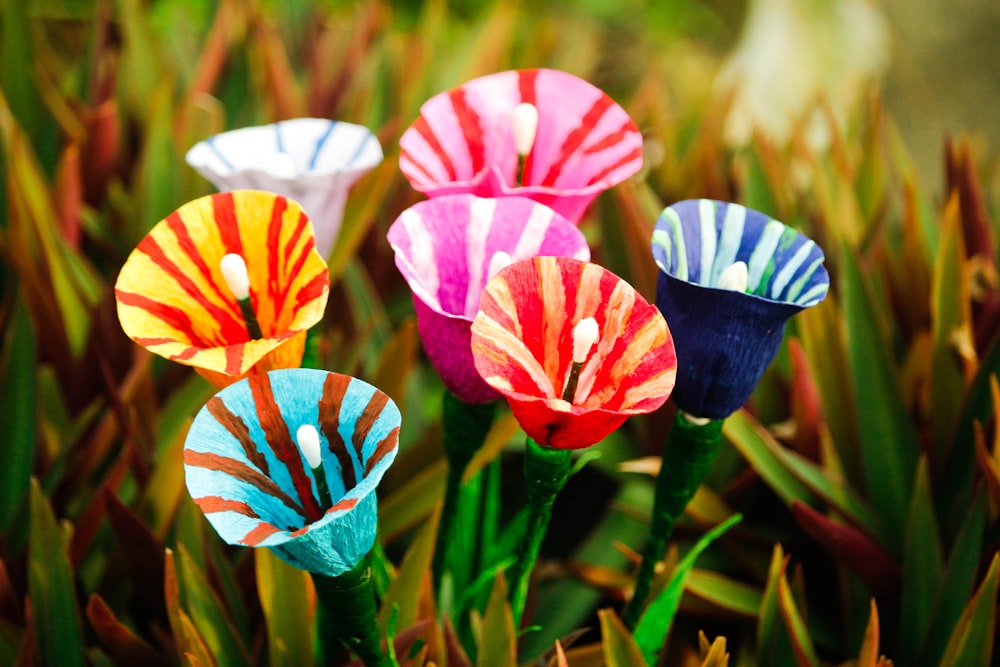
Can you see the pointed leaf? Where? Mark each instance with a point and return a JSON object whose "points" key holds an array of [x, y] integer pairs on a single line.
{"points": [[751, 439], [731, 595], [620, 649], [798, 633], [50, 585], [17, 413], [714, 654], [404, 593], [498, 644], [208, 614], [971, 642], [868, 655], [123, 645], [285, 593]]}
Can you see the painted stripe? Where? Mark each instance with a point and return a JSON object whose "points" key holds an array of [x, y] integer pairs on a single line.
{"points": [[234, 359], [421, 254], [212, 504], [796, 289], [680, 247], [280, 441], [526, 81], [529, 243], [763, 254], [612, 139], [424, 130], [334, 389], [319, 144], [243, 473], [405, 159], [238, 429], [481, 216], [360, 150], [175, 318], [611, 168], [790, 268], [343, 505], [706, 224], [312, 290], [385, 445], [211, 143], [576, 138], [259, 534], [176, 225], [814, 295], [729, 240], [364, 423], [224, 212], [472, 130]]}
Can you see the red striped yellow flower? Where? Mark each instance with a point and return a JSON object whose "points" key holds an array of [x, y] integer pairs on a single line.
{"points": [[523, 340], [173, 300]]}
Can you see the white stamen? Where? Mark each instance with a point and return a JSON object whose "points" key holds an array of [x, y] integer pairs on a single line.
{"points": [[277, 164], [499, 261], [234, 270], [735, 277], [308, 439], [585, 334], [697, 421], [525, 123]]}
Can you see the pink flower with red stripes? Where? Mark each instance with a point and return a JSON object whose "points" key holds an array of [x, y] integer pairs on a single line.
{"points": [[175, 298], [538, 133], [260, 484], [574, 349]]}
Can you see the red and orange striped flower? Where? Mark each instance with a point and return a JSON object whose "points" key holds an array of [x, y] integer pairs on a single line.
{"points": [[173, 299], [523, 340]]}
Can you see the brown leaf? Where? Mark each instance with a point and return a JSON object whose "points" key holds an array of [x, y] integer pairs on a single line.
{"points": [[123, 646]]}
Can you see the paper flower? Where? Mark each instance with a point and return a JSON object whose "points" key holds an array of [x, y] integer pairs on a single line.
{"points": [[523, 343], [174, 300], [312, 160], [252, 481], [481, 138], [726, 338], [445, 248]]}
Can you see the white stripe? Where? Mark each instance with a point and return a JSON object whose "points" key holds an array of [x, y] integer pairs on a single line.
{"points": [[662, 239], [480, 220], [729, 240], [763, 253], [790, 268], [529, 244], [796, 289], [421, 256], [706, 219], [813, 296], [677, 235]]}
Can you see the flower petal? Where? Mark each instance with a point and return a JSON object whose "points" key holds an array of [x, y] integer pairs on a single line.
{"points": [[463, 141], [246, 473]]}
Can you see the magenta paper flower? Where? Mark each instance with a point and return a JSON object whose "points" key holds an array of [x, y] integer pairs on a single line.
{"points": [[538, 133], [445, 249]]}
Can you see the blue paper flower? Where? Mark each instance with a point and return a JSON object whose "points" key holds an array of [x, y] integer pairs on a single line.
{"points": [[726, 338], [246, 472]]}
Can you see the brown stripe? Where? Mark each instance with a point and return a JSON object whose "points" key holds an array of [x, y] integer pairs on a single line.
{"points": [[280, 441], [242, 472], [211, 504], [387, 444], [334, 390], [367, 419], [238, 429]]}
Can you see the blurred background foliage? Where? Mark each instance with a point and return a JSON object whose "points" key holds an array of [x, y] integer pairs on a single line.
{"points": [[867, 466]]}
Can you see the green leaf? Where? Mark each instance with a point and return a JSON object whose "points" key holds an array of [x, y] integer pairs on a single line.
{"points": [[404, 592], [498, 644], [207, 612], [758, 446], [772, 642], [889, 442], [922, 566], [620, 649], [57, 628], [798, 633], [17, 413], [284, 598], [413, 501], [971, 642], [731, 595], [654, 625]]}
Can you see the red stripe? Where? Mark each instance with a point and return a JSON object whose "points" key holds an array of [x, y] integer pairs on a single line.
{"points": [[234, 358], [241, 472], [424, 130], [612, 139], [526, 87], [185, 355], [278, 438], [224, 211], [334, 389], [170, 315], [259, 534], [468, 120], [212, 504], [233, 330], [177, 226], [599, 176], [282, 282], [274, 278], [404, 156], [575, 138], [147, 341], [344, 504], [312, 290]]}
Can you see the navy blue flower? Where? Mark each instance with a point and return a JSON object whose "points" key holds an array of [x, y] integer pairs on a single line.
{"points": [[730, 277]]}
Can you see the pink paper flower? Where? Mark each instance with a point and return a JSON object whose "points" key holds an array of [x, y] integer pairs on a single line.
{"points": [[467, 140]]}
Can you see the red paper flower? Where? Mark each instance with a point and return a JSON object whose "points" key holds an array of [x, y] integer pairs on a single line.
{"points": [[523, 346]]}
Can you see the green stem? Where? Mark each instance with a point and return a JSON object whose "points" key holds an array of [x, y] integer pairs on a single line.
{"points": [[545, 471], [465, 428], [250, 317], [349, 602], [311, 350], [687, 457]]}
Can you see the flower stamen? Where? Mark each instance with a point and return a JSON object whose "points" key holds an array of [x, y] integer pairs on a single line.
{"points": [[735, 277], [308, 439], [585, 334], [234, 271], [524, 120]]}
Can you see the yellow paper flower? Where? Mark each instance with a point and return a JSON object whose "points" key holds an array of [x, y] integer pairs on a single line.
{"points": [[173, 299]]}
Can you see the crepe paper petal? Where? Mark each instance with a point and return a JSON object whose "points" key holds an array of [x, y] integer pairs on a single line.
{"points": [[523, 347], [246, 473], [312, 160], [464, 141], [444, 248], [173, 299], [726, 339]]}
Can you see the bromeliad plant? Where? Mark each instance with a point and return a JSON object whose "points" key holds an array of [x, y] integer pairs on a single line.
{"points": [[575, 350], [289, 460], [227, 283]]}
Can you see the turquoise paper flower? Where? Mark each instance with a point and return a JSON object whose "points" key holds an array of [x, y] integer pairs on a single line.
{"points": [[727, 327], [248, 475]]}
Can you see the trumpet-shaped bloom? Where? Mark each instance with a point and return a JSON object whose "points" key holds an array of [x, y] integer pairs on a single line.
{"points": [[523, 342], [246, 473], [445, 248], [312, 160], [467, 140], [726, 338], [173, 298]]}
